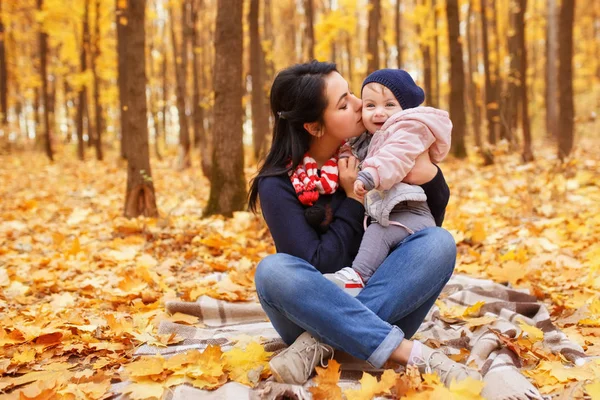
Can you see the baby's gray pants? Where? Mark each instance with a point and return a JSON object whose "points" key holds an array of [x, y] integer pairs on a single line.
{"points": [[379, 241]]}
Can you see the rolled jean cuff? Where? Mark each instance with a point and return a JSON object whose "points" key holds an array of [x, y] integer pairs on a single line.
{"points": [[383, 352]]}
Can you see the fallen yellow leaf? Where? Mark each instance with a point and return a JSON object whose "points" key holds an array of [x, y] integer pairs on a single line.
{"points": [[146, 389], [593, 390], [534, 334], [326, 382], [370, 387], [25, 357], [473, 310], [146, 366], [247, 365], [180, 318]]}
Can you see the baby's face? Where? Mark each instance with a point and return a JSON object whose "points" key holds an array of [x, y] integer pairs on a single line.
{"points": [[378, 105]]}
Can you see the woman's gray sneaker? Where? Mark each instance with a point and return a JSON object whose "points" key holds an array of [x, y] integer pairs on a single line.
{"points": [[297, 363]]}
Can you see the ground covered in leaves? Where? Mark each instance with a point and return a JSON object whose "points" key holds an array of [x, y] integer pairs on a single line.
{"points": [[82, 287]]}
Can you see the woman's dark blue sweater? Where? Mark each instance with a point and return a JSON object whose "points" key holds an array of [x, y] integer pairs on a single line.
{"points": [[336, 248]]}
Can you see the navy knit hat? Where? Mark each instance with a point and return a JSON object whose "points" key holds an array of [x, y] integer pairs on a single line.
{"points": [[401, 84]]}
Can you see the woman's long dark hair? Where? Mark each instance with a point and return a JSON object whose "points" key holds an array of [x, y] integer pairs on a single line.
{"points": [[297, 97]]}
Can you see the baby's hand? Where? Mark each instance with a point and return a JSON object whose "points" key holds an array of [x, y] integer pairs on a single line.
{"points": [[359, 188]]}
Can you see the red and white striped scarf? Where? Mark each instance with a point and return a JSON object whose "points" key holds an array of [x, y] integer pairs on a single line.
{"points": [[307, 182]]}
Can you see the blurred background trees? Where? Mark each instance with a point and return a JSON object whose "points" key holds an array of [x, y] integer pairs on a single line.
{"points": [[74, 82]]}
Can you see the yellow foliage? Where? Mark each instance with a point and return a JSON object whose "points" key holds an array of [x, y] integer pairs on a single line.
{"points": [[146, 366], [593, 390], [25, 357], [478, 233], [370, 387], [473, 310], [146, 389], [326, 382], [534, 334], [81, 283], [247, 365], [208, 371], [185, 319], [82, 79], [466, 389]]}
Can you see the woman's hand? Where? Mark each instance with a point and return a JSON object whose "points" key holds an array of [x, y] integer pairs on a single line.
{"points": [[348, 172], [423, 171]]}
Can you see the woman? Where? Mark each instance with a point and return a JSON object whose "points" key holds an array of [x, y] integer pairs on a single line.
{"points": [[315, 112]]}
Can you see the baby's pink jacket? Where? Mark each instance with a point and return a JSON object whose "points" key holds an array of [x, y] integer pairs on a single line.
{"points": [[404, 136]]}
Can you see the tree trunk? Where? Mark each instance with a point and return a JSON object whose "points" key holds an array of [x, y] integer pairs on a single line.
{"points": [[373, 36], [164, 89], [435, 95], [19, 112], [333, 47], [491, 104], [288, 14], [123, 74], [535, 53], [88, 120], [473, 97], [383, 57], [260, 107], [38, 129], [97, 106], [36, 112], [200, 136], [350, 59], [154, 93], [52, 103], [206, 151], [268, 30], [398, 31], [197, 111], [513, 103], [43, 40], [140, 199], [427, 74], [565, 80], [457, 81], [520, 28], [309, 10], [596, 36], [228, 186], [267, 63], [68, 119], [497, 84], [81, 104], [426, 54], [3, 73], [551, 93], [180, 63]]}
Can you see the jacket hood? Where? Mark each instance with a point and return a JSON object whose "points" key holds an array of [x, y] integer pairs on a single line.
{"points": [[436, 120]]}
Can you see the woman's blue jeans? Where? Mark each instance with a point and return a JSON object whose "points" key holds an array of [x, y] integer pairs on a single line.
{"points": [[370, 326]]}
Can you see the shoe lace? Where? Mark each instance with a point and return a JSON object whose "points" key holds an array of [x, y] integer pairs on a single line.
{"points": [[318, 348], [431, 365]]}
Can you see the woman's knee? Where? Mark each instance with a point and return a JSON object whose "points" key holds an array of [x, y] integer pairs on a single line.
{"points": [[433, 248], [266, 273], [441, 247], [274, 275]]}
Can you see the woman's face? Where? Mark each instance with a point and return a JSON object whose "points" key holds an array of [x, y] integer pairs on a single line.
{"points": [[343, 115]]}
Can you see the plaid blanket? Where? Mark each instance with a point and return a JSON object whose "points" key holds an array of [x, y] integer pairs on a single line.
{"points": [[502, 314]]}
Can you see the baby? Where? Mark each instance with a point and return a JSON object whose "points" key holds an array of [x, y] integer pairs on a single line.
{"points": [[398, 131]]}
